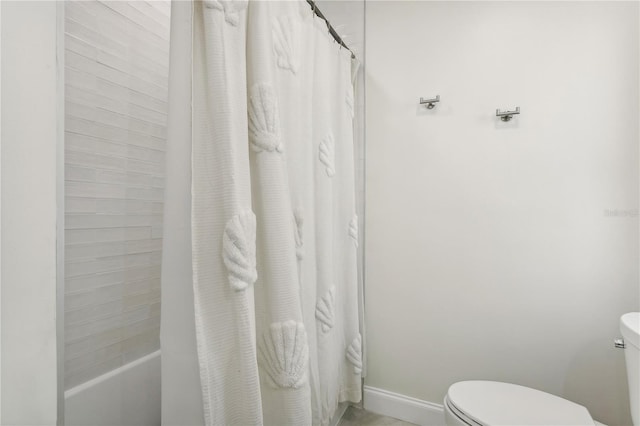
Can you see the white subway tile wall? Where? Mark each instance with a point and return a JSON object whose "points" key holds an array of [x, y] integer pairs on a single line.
{"points": [[116, 75]]}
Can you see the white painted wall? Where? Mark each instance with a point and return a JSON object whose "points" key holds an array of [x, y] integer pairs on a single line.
{"points": [[29, 150], [489, 253]]}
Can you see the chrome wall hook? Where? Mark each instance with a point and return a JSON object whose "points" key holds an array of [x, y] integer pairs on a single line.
{"points": [[430, 103], [507, 115]]}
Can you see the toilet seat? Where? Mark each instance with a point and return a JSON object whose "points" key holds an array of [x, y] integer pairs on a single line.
{"points": [[480, 403], [455, 417]]}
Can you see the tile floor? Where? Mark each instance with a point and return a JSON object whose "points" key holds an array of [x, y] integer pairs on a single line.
{"points": [[357, 417]]}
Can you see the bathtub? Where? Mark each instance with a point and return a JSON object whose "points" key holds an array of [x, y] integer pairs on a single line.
{"points": [[129, 395]]}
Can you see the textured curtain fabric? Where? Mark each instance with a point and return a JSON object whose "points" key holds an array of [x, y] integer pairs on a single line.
{"points": [[274, 231]]}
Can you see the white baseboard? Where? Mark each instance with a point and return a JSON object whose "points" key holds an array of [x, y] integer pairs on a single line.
{"points": [[403, 407]]}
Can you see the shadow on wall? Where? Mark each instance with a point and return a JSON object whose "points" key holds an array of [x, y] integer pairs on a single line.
{"points": [[608, 378]]}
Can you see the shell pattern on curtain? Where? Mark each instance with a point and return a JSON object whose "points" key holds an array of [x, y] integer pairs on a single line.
{"points": [[274, 230]]}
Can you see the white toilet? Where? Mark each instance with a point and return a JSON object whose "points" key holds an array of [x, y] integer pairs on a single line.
{"points": [[484, 403], [630, 329]]}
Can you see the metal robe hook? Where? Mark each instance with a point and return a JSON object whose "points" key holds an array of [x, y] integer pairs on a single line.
{"points": [[430, 103], [507, 115]]}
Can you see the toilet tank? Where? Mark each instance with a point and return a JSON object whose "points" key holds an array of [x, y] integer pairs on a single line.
{"points": [[630, 329]]}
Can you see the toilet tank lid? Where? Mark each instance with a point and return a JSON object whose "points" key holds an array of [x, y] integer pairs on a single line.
{"points": [[497, 403], [630, 328]]}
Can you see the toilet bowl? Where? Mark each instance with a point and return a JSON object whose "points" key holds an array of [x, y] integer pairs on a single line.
{"points": [[483, 403]]}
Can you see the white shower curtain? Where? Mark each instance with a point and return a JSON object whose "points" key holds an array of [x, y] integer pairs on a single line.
{"points": [[274, 231]]}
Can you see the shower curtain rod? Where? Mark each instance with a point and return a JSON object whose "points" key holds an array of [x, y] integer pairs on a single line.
{"points": [[333, 32]]}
